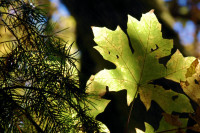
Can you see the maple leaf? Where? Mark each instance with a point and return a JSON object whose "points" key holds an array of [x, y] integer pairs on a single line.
{"points": [[135, 70]]}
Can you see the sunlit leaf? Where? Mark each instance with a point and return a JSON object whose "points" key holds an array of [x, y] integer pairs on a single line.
{"points": [[137, 65]]}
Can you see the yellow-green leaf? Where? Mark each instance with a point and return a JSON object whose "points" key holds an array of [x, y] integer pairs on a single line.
{"points": [[177, 67], [136, 69]]}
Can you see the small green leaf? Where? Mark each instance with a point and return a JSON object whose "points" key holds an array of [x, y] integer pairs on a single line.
{"points": [[177, 67]]}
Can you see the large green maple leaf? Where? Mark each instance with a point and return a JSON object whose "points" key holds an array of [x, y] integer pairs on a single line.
{"points": [[135, 70]]}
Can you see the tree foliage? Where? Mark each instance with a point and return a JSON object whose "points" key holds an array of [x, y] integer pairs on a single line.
{"points": [[39, 85], [39, 81]]}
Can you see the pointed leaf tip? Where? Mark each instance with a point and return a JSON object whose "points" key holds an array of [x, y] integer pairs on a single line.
{"points": [[152, 11]]}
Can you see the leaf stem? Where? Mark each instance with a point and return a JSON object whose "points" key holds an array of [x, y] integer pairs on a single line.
{"points": [[130, 112]]}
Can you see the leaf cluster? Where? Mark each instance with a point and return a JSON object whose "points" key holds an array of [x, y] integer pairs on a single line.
{"points": [[137, 55]]}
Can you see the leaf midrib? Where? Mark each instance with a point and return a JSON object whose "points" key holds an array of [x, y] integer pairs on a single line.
{"points": [[121, 58]]}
